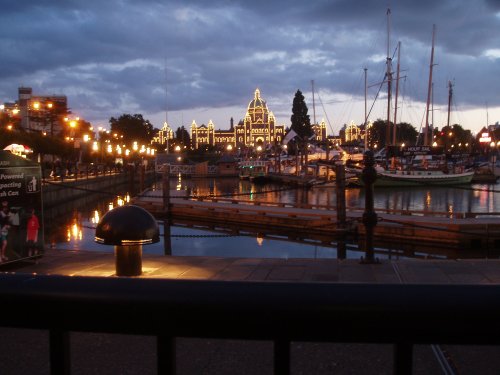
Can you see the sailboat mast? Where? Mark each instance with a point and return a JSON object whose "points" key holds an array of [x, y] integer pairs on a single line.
{"points": [[487, 116], [432, 104], [314, 106], [450, 95], [396, 98], [166, 92], [389, 81], [426, 130], [166, 107], [366, 115]]}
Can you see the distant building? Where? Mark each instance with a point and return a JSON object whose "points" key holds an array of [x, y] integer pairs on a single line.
{"points": [[352, 132], [165, 135], [257, 128], [42, 113], [494, 127]]}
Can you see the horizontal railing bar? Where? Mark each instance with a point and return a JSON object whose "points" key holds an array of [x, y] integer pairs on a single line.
{"points": [[380, 313]]}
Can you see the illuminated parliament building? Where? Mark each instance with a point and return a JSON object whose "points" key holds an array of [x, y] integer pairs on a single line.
{"points": [[258, 128]]}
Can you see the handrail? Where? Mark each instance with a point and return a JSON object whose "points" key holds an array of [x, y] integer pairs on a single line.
{"points": [[283, 312]]}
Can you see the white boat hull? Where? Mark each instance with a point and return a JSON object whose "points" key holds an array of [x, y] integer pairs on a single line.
{"points": [[420, 178]]}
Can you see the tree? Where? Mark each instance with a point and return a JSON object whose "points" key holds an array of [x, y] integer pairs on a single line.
{"points": [[132, 127], [454, 136], [378, 133], [406, 133], [182, 136], [301, 123]]}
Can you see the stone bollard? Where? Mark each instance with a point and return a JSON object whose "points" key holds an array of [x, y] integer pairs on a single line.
{"points": [[127, 228], [369, 175]]}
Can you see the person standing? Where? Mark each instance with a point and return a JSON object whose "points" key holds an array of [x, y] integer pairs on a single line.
{"points": [[32, 227], [4, 230]]}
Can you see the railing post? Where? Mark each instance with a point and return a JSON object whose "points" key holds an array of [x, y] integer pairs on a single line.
{"points": [[281, 357], [142, 178], [341, 210], [403, 359], [369, 175], [59, 352], [131, 179], [167, 241], [166, 355]]}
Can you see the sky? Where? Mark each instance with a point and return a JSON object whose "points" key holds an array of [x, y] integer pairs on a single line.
{"points": [[186, 60]]}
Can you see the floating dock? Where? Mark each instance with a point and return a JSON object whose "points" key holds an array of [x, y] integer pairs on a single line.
{"points": [[408, 230]]}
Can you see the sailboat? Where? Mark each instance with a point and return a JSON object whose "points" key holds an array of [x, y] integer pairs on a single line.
{"points": [[422, 169]]}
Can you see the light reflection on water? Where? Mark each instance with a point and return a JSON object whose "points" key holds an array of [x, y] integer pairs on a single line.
{"points": [[77, 225]]}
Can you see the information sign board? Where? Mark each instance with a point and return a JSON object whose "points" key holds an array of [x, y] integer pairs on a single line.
{"points": [[21, 214]]}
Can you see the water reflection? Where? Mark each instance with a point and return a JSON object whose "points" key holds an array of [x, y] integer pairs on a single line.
{"points": [[71, 225]]}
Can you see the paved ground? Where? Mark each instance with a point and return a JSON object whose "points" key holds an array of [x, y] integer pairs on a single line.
{"points": [[26, 351], [89, 263]]}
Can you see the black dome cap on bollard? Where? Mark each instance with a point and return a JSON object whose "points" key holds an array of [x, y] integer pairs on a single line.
{"points": [[127, 225]]}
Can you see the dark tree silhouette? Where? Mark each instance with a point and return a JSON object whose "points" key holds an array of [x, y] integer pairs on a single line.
{"points": [[132, 127]]}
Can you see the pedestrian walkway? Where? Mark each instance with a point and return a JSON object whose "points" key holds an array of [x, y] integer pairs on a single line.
{"points": [[90, 263]]}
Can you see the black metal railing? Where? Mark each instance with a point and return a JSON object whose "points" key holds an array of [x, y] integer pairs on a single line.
{"points": [[279, 312]]}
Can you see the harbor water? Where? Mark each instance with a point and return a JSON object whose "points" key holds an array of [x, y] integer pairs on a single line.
{"points": [[73, 227]]}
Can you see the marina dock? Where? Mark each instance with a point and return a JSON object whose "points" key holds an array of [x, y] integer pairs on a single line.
{"points": [[395, 228]]}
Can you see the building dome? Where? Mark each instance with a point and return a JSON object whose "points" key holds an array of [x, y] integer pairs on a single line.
{"points": [[257, 112], [257, 102]]}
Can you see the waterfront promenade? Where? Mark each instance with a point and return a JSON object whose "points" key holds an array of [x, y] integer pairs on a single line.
{"points": [[26, 350], [92, 263]]}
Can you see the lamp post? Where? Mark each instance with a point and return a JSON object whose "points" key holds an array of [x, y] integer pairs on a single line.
{"points": [[73, 125], [42, 114]]}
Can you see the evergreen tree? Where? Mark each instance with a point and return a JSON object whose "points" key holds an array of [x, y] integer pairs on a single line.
{"points": [[301, 123], [182, 136]]}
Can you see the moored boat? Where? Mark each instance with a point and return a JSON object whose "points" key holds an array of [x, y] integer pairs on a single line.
{"points": [[422, 178], [484, 175], [420, 166], [253, 170]]}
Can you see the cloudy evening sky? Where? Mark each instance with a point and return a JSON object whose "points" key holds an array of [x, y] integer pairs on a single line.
{"points": [[202, 60]]}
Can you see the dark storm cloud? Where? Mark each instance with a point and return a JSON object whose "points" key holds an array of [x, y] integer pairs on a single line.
{"points": [[111, 57]]}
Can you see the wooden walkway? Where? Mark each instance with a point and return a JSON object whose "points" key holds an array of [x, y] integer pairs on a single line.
{"points": [[319, 223]]}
